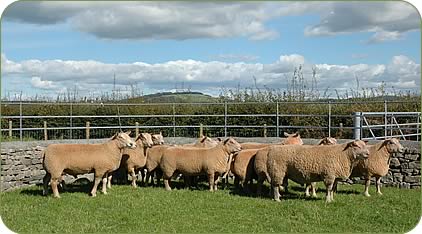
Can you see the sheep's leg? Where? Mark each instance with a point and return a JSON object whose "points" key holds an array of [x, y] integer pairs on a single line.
{"points": [[329, 194], [97, 181], [285, 184], [158, 175], [260, 182], [211, 181], [142, 173], [216, 181], [307, 190], [54, 182], [147, 177], [133, 174], [367, 184], [104, 187], [378, 184], [109, 178], [45, 181], [313, 187], [236, 182], [276, 192]]}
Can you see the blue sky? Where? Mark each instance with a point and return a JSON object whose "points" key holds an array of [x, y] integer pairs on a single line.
{"points": [[49, 47]]}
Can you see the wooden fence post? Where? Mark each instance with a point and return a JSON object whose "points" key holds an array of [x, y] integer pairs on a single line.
{"points": [[136, 129], [201, 130], [10, 128], [87, 131], [45, 131], [265, 130]]}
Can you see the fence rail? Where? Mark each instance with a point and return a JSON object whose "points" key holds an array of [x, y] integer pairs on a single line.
{"points": [[337, 119]]}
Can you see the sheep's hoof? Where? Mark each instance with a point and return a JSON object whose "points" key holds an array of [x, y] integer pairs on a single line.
{"points": [[379, 193], [314, 195], [93, 194], [105, 192], [277, 200], [367, 194]]}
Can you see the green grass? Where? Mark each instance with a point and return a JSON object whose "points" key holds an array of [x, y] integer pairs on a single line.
{"points": [[149, 209]]}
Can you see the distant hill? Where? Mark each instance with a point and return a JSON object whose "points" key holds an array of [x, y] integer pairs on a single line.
{"points": [[169, 97]]}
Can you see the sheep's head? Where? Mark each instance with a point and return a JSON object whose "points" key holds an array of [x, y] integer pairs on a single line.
{"points": [[231, 145], [393, 146], [145, 139], [292, 139], [359, 149], [328, 141], [207, 141], [124, 140], [157, 139]]}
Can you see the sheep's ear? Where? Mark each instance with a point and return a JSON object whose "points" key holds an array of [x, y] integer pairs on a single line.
{"points": [[203, 139], [366, 141], [226, 140], [114, 136], [161, 133], [128, 133], [296, 134], [322, 141], [219, 139], [350, 144], [286, 134]]}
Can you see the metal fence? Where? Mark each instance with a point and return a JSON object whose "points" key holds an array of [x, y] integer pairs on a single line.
{"points": [[363, 120]]}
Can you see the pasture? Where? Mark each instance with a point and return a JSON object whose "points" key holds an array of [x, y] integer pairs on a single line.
{"points": [[152, 209]]}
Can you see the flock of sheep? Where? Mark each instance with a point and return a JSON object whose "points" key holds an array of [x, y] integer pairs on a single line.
{"points": [[276, 163]]}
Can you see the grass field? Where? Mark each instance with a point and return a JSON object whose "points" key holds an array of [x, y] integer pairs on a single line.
{"points": [[148, 209]]}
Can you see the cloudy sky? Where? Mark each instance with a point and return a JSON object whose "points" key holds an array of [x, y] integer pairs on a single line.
{"points": [[48, 47]]}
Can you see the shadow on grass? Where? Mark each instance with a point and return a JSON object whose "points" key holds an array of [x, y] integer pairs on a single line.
{"points": [[324, 190], [81, 185]]}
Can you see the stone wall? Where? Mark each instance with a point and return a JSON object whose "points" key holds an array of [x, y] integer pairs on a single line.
{"points": [[21, 162]]}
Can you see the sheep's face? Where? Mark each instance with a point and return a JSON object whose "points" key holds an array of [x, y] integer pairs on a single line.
{"points": [[232, 145], [158, 139], [124, 139], [328, 141], [145, 139], [393, 146], [359, 148], [292, 139], [208, 142]]}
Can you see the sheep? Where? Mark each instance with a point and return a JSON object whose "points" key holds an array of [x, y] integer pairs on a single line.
{"points": [[191, 161], [204, 141], [260, 163], [291, 139], [154, 155], [134, 159], [242, 167], [306, 164], [157, 139], [75, 159], [377, 164], [323, 141]]}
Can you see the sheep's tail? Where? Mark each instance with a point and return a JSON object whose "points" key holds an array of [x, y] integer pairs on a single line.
{"points": [[43, 158]]}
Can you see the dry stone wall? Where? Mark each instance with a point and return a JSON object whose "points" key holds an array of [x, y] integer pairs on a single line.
{"points": [[21, 162]]}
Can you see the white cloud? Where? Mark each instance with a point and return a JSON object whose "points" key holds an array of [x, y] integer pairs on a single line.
{"points": [[93, 76], [36, 82]]}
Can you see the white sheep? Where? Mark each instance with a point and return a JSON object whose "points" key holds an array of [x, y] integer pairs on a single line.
{"points": [[291, 139], [76, 159], [260, 163], [157, 139], [377, 163], [134, 160], [190, 161], [307, 164], [154, 156]]}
